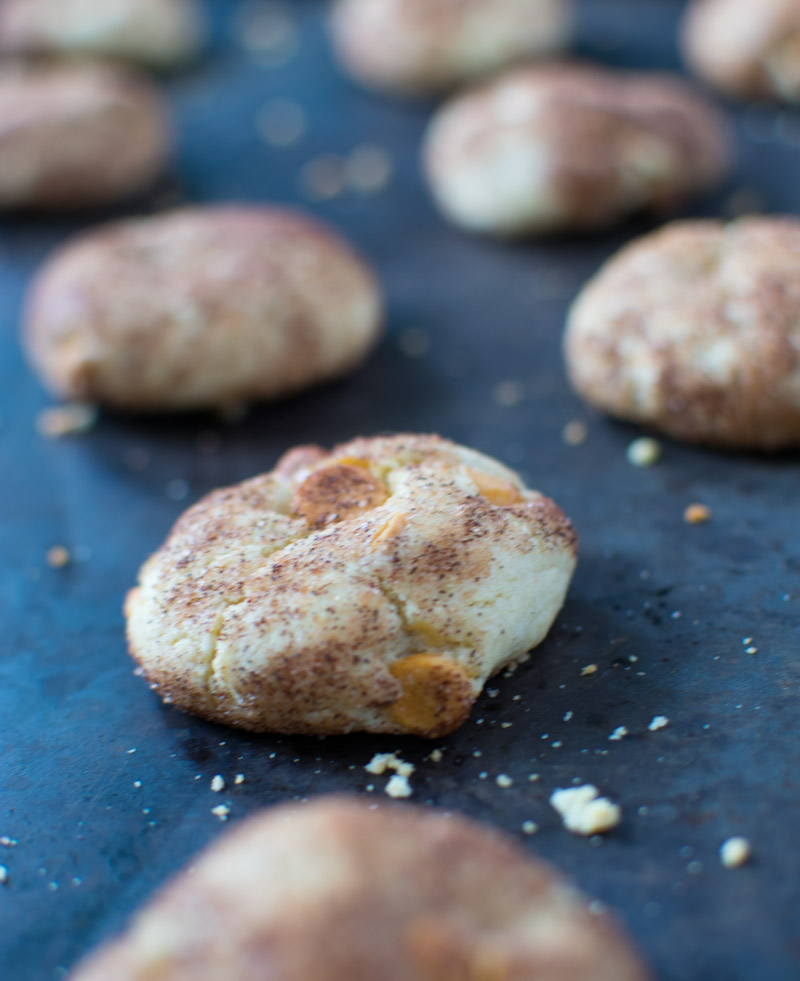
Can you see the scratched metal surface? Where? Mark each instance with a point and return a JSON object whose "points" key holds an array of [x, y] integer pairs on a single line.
{"points": [[108, 793]]}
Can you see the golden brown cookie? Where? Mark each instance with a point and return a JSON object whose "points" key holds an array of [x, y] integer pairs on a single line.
{"points": [[78, 136], [570, 147], [376, 587], [695, 330], [746, 48], [201, 307], [336, 890], [415, 47], [155, 33]]}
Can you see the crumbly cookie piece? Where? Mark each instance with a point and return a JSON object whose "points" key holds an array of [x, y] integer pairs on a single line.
{"points": [[154, 33], [695, 330], [415, 47], [336, 890], [568, 147], [374, 587], [750, 50], [200, 307], [78, 136]]}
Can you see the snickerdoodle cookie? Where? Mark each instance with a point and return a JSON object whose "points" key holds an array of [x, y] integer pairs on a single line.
{"points": [[376, 586], [695, 330]]}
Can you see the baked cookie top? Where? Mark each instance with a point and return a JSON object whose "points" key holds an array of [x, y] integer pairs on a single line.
{"points": [[376, 586], [571, 146], [695, 330], [336, 890]]}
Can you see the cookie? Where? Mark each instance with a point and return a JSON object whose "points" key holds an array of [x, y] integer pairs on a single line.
{"points": [[695, 330], [78, 136], [374, 587], [200, 308], [336, 890], [417, 47], [571, 147], [153, 33], [747, 50]]}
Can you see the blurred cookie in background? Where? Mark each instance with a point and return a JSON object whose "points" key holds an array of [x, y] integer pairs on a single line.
{"points": [[153, 33], [695, 330], [749, 49], [418, 47], [340, 889], [200, 308], [78, 136], [571, 148]]}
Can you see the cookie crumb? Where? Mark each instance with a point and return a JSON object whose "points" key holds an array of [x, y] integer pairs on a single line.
{"points": [[218, 784], [696, 514], [398, 786], [644, 452], [734, 852], [3, 875], [588, 669], [381, 762], [529, 827], [508, 393], [221, 811], [323, 177], [7, 842], [238, 779], [584, 812], [504, 780], [658, 722], [367, 169], [619, 733], [435, 756], [58, 557], [575, 433], [66, 420]]}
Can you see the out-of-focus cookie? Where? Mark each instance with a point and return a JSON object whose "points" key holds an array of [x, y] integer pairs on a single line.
{"points": [[155, 33], [746, 49], [201, 307], [374, 587], [424, 46], [695, 330], [337, 890], [570, 147], [78, 136]]}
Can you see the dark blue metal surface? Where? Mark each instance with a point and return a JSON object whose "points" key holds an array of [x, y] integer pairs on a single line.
{"points": [[659, 606]]}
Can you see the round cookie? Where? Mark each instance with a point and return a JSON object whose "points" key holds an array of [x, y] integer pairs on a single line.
{"points": [[375, 587], [695, 330], [78, 136], [750, 50], [416, 47], [201, 307], [337, 890], [570, 147], [154, 33]]}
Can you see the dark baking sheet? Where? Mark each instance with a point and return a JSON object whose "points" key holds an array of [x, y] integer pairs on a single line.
{"points": [[659, 606]]}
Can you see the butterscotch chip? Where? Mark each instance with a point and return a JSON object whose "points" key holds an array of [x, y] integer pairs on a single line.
{"points": [[202, 307], [745, 49], [337, 890], [571, 147], [696, 514], [415, 47], [156, 33], [75, 136], [695, 330], [376, 586]]}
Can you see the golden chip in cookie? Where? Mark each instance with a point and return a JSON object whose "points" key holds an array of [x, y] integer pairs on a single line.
{"points": [[78, 136], [200, 308], [376, 586], [337, 890], [568, 147], [155, 33], [421, 46], [695, 330], [745, 48]]}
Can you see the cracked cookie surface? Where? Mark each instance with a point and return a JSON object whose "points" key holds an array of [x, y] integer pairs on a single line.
{"points": [[276, 605], [695, 330], [389, 892]]}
